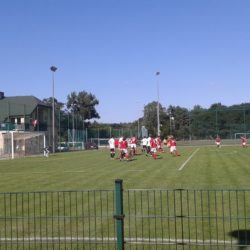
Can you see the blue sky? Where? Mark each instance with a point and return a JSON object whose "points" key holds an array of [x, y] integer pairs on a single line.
{"points": [[113, 48]]}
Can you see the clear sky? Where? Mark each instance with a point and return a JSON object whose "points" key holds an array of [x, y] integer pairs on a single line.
{"points": [[113, 48]]}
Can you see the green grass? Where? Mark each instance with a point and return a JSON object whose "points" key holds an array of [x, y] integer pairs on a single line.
{"points": [[227, 167], [153, 213]]}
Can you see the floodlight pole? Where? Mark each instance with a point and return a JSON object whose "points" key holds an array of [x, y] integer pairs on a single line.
{"points": [[138, 122], [158, 104], [53, 69], [138, 128]]}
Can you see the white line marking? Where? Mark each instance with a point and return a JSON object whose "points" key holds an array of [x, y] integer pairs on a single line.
{"points": [[21, 173], [74, 171], [189, 158], [41, 172], [135, 170], [128, 240]]}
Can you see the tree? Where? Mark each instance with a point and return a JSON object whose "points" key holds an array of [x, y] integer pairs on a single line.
{"points": [[150, 118], [49, 101], [83, 104]]}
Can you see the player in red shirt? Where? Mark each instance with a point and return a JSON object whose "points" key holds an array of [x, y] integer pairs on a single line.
{"points": [[243, 142], [218, 141], [167, 142], [124, 149], [133, 142], [153, 146], [116, 143], [173, 148], [159, 144]]}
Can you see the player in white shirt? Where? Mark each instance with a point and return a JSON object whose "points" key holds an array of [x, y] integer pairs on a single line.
{"points": [[148, 144], [144, 144], [111, 143]]}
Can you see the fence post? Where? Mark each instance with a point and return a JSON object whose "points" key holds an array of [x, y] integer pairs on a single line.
{"points": [[119, 216]]}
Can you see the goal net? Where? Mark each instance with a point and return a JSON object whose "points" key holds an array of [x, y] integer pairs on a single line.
{"points": [[77, 145], [100, 142], [14, 144]]}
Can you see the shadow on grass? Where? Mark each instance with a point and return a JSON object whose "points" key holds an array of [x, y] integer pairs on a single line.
{"points": [[243, 237]]}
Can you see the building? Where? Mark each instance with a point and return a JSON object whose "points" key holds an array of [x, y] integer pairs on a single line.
{"points": [[25, 114]]}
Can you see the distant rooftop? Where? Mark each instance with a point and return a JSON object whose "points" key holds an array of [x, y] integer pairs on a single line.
{"points": [[19, 105]]}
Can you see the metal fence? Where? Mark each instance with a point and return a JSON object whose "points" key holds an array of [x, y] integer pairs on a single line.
{"points": [[126, 219], [57, 220]]}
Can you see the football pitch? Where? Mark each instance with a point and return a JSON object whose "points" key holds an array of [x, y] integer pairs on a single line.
{"points": [[197, 167], [199, 198]]}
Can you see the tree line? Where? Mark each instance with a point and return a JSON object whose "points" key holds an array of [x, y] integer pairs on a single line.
{"points": [[196, 123]]}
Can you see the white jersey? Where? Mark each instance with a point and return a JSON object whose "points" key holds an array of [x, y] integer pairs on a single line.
{"points": [[119, 141], [144, 141], [148, 141], [111, 143]]}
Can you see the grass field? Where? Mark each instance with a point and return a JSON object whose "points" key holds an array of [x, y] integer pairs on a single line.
{"points": [[209, 167], [155, 217]]}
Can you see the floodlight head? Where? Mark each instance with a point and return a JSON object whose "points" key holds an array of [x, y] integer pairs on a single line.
{"points": [[53, 68], [157, 73]]}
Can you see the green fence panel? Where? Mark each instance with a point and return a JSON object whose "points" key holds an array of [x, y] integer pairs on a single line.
{"points": [[119, 216], [144, 219]]}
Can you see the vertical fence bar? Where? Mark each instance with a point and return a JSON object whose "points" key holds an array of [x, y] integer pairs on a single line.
{"points": [[119, 217]]}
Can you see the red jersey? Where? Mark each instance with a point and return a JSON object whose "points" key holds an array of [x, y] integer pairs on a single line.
{"points": [[218, 139], [133, 140], [172, 143], [243, 139], [153, 143], [116, 143], [124, 145], [158, 140]]}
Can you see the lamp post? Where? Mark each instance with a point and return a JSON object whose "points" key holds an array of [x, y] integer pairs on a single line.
{"points": [[75, 108], [158, 104], [138, 121], [53, 69]]}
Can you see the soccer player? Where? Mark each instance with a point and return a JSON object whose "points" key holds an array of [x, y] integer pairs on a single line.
{"points": [[173, 148], [243, 142], [218, 141], [144, 144], [133, 142], [153, 148], [46, 151], [124, 149], [167, 142], [159, 146], [111, 143], [148, 144], [116, 143]]}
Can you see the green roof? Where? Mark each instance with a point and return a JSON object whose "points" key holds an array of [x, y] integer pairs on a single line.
{"points": [[19, 106]]}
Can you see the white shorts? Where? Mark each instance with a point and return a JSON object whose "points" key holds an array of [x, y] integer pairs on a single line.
{"points": [[133, 145], [153, 150], [172, 149], [125, 151], [244, 143], [218, 143]]}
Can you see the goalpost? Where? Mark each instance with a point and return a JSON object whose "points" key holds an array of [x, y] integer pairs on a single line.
{"points": [[100, 142], [14, 144], [239, 135]]}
